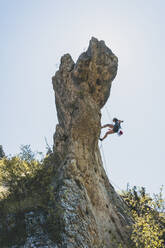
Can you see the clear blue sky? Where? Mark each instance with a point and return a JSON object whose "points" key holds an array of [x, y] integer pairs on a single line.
{"points": [[36, 33]]}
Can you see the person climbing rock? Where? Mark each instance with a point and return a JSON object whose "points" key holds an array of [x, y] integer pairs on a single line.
{"points": [[113, 128]]}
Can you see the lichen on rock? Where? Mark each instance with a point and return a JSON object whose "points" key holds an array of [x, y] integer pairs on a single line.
{"points": [[93, 214]]}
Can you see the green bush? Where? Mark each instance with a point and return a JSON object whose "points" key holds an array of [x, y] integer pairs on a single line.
{"points": [[149, 218], [23, 175]]}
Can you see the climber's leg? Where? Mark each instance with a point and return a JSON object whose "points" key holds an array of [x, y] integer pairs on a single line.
{"points": [[107, 133], [107, 125]]}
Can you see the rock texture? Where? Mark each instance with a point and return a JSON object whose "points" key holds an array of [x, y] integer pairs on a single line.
{"points": [[91, 214], [80, 208]]}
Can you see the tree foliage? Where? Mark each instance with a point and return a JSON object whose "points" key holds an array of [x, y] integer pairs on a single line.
{"points": [[23, 174], [2, 154], [149, 218], [27, 154]]}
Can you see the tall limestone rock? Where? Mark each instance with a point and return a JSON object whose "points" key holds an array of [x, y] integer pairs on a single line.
{"points": [[70, 203], [90, 213]]}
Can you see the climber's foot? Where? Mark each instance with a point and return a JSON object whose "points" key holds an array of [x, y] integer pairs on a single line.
{"points": [[100, 139]]}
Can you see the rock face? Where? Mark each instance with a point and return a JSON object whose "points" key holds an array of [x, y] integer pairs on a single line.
{"points": [[90, 213], [78, 208]]}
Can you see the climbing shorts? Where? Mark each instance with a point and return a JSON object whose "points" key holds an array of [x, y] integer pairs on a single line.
{"points": [[115, 128]]}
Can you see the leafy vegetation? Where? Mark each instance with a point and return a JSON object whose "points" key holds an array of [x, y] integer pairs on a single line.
{"points": [[25, 185], [2, 154], [27, 154], [23, 174], [149, 218]]}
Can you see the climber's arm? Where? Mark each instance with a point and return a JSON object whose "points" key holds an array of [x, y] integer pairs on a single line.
{"points": [[121, 121]]}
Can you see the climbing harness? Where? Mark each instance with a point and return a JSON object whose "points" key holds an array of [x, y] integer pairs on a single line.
{"points": [[119, 132], [116, 126]]}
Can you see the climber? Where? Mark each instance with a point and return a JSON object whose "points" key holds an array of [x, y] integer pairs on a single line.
{"points": [[113, 128]]}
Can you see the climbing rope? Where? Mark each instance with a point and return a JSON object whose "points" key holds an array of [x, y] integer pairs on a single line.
{"points": [[104, 160], [109, 116], [115, 185], [106, 170]]}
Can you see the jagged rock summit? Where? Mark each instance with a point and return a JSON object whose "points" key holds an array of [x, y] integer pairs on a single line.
{"points": [[90, 213], [69, 202]]}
